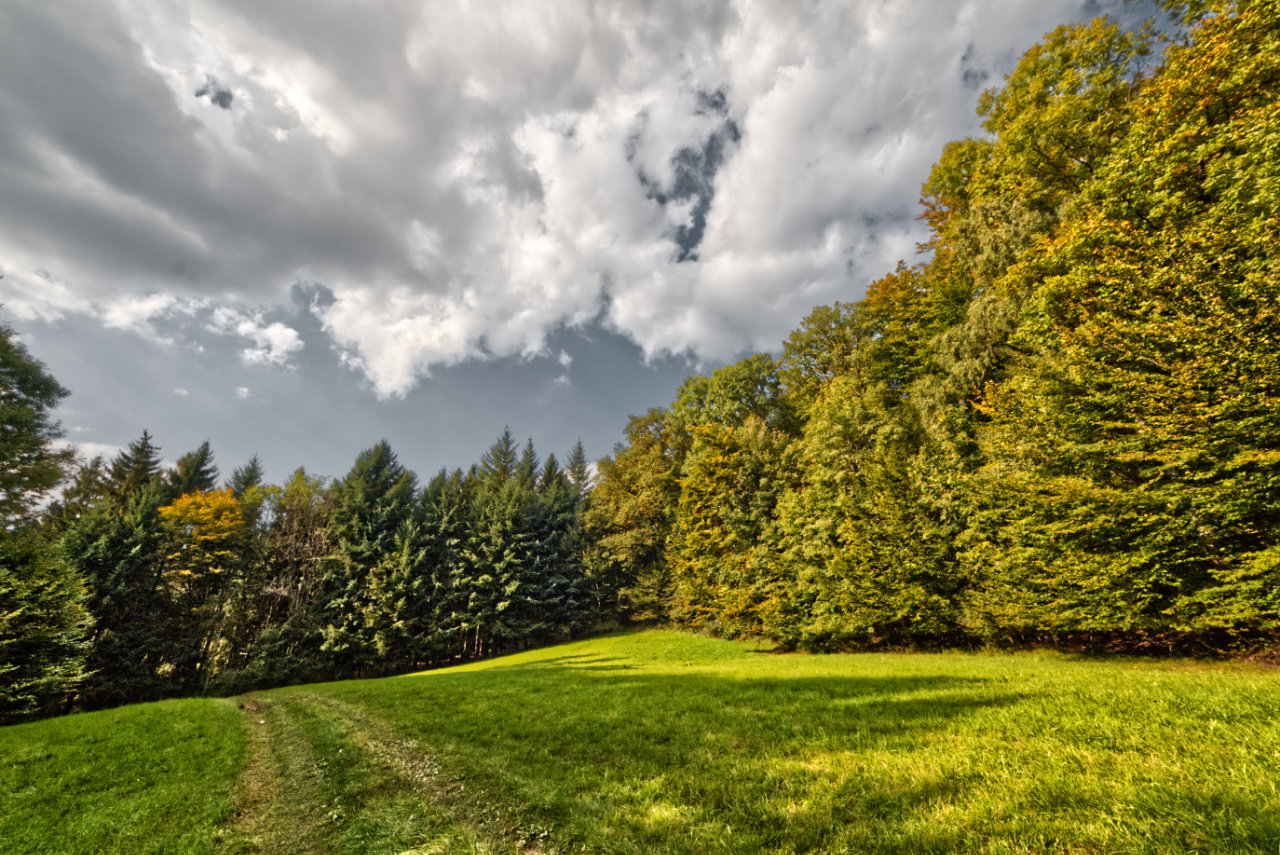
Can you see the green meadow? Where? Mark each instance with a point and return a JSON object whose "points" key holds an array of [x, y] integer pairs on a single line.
{"points": [[663, 742]]}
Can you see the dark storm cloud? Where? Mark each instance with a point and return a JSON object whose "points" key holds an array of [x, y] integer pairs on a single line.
{"points": [[216, 94]]}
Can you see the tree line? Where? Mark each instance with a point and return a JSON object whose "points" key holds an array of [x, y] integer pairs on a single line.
{"points": [[1062, 426], [140, 582]]}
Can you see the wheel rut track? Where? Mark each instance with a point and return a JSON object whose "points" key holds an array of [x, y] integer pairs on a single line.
{"points": [[283, 799]]}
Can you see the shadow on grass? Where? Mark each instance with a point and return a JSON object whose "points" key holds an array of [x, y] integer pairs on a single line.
{"points": [[647, 753], [575, 661], [586, 742]]}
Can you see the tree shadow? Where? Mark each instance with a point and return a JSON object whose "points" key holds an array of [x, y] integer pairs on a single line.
{"points": [[576, 661], [585, 741]]}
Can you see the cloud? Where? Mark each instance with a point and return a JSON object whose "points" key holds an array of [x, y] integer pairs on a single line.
{"points": [[216, 94], [273, 344], [139, 314], [90, 450], [466, 179], [181, 393], [37, 295], [243, 393]]}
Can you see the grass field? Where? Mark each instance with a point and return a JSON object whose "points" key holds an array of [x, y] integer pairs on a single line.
{"points": [[664, 742]]}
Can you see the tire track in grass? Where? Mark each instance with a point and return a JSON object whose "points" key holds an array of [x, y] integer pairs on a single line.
{"points": [[486, 825], [277, 798], [326, 777]]}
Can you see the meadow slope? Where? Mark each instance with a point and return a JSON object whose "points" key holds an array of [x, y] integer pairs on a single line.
{"points": [[667, 742]]}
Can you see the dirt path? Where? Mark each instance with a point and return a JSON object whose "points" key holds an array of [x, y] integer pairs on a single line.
{"points": [[326, 777]]}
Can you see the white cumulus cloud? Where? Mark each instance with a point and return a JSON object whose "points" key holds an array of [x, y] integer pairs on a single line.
{"points": [[465, 179], [272, 344]]}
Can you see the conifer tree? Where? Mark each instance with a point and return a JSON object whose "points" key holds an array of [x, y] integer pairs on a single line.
{"points": [[117, 548], [371, 505], [43, 621], [578, 469], [527, 468], [193, 473], [447, 518], [246, 476], [499, 462], [42, 614], [133, 468], [30, 465]]}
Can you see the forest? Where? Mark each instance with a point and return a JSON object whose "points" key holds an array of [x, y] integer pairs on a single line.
{"points": [[1060, 425]]}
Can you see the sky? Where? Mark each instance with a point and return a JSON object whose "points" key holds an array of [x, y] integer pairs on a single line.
{"points": [[297, 228]]}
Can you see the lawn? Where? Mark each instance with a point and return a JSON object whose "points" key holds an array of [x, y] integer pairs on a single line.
{"points": [[666, 742], [149, 778]]}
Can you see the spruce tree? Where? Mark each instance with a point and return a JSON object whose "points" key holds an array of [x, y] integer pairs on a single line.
{"points": [[447, 508], [371, 506], [42, 614], [246, 476], [193, 473], [117, 547], [499, 462], [578, 469], [43, 621], [133, 468], [30, 465]]}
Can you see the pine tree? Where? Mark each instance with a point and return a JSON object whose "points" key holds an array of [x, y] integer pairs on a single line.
{"points": [[447, 514], [117, 548], [371, 505], [499, 462], [193, 473], [133, 468], [578, 470], [30, 465], [42, 614], [246, 476]]}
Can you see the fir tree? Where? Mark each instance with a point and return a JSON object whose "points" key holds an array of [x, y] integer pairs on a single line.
{"points": [[246, 476], [500, 461], [193, 473], [371, 505], [133, 468], [42, 616], [30, 465]]}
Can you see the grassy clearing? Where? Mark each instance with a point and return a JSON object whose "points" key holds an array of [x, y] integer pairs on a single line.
{"points": [[662, 742], [141, 779]]}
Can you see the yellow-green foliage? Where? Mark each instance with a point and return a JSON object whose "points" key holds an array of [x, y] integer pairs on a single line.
{"points": [[1065, 420], [1132, 456]]}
